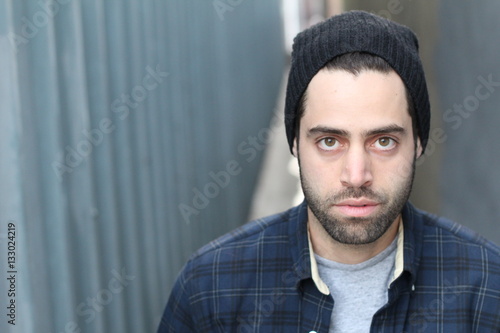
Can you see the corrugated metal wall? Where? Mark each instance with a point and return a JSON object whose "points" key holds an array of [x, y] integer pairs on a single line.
{"points": [[469, 85], [132, 134]]}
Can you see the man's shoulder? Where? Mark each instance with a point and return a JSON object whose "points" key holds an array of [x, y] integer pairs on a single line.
{"points": [[453, 237], [237, 260], [270, 230]]}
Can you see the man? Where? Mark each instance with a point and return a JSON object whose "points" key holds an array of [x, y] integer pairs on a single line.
{"points": [[355, 256]]}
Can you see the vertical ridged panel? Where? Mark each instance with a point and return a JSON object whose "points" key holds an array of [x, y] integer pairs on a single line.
{"points": [[96, 160]]}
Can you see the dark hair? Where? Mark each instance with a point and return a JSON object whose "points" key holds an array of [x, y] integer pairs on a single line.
{"points": [[355, 63]]}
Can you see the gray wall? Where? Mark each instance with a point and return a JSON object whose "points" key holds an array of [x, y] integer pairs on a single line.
{"points": [[113, 115], [467, 56]]}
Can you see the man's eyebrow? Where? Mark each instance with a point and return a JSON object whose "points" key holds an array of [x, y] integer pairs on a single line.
{"points": [[327, 130], [376, 131], [385, 130]]}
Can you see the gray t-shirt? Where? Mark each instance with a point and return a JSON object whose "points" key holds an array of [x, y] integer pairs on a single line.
{"points": [[359, 290]]}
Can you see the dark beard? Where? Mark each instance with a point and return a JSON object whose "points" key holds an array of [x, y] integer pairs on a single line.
{"points": [[358, 230]]}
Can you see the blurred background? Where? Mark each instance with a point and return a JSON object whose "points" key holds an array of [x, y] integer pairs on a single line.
{"points": [[134, 132]]}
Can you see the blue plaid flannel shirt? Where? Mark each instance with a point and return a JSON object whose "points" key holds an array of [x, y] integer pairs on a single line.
{"points": [[258, 279]]}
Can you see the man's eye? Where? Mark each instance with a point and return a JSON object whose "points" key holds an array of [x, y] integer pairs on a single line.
{"points": [[385, 143], [328, 143]]}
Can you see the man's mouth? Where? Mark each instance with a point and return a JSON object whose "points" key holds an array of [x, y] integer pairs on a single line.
{"points": [[357, 207]]}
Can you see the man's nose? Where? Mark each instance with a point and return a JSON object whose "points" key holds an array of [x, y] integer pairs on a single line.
{"points": [[356, 168]]}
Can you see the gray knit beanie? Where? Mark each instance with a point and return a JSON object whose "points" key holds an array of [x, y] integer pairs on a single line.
{"points": [[357, 31]]}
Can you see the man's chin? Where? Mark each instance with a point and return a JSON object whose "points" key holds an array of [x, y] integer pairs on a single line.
{"points": [[354, 230], [353, 239]]}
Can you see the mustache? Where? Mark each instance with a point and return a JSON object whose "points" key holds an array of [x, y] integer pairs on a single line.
{"points": [[357, 192]]}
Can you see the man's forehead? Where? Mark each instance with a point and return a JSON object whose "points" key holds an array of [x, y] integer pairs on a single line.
{"points": [[338, 90]]}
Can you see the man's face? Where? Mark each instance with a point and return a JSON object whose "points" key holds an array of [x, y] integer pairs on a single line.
{"points": [[356, 153]]}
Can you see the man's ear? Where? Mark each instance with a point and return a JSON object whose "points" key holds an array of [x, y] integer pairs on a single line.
{"points": [[419, 147], [294, 147]]}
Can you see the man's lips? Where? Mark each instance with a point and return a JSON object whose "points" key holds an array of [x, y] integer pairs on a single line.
{"points": [[356, 207]]}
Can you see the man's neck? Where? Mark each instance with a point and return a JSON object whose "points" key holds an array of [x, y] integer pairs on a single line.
{"points": [[325, 246]]}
